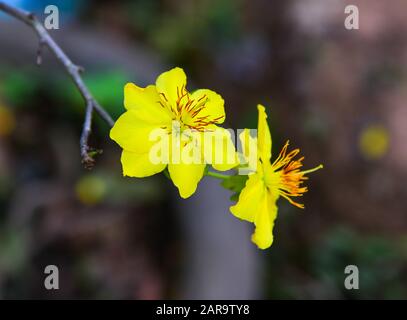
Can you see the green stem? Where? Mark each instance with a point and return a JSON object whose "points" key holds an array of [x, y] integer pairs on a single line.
{"points": [[217, 175]]}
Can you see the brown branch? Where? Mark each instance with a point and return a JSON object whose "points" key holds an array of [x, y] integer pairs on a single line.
{"points": [[73, 70]]}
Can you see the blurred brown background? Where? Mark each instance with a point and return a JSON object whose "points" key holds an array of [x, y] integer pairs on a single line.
{"points": [[337, 94]]}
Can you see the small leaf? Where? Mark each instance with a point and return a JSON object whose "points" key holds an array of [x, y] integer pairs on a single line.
{"points": [[236, 184], [166, 173]]}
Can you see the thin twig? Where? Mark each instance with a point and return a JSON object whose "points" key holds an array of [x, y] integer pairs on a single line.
{"points": [[73, 70], [87, 160]]}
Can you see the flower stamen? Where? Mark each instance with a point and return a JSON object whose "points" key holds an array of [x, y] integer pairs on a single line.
{"points": [[289, 175]]}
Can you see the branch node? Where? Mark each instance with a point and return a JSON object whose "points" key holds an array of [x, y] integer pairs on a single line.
{"points": [[88, 158], [31, 16], [88, 161]]}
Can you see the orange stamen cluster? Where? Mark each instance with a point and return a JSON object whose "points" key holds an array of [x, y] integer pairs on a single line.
{"points": [[186, 105], [290, 175]]}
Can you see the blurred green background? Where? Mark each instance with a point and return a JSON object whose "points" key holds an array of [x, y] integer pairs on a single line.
{"points": [[338, 95]]}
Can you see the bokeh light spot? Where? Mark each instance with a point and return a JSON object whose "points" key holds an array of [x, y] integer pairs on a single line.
{"points": [[91, 189], [7, 121], [374, 142]]}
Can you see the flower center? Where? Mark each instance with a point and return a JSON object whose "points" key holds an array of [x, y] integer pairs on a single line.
{"points": [[188, 111], [285, 175]]}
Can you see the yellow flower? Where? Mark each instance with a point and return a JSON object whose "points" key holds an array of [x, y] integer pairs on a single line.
{"points": [[257, 201], [157, 108]]}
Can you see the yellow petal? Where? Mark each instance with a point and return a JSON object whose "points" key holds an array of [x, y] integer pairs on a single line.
{"points": [[132, 132], [146, 102], [219, 148], [211, 105], [264, 221], [139, 165], [186, 177], [249, 154], [249, 199], [171, 84], [263, 135], [137, 97]]}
